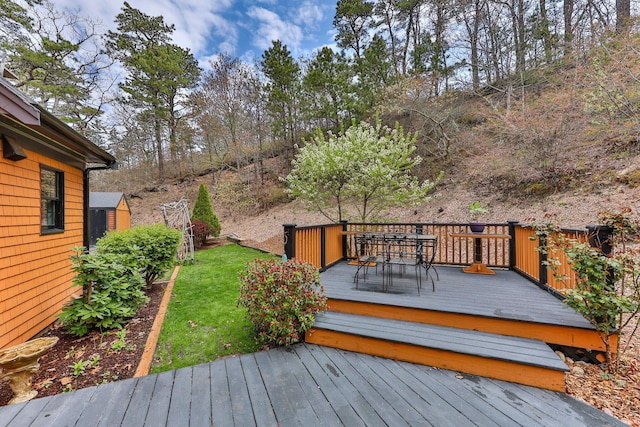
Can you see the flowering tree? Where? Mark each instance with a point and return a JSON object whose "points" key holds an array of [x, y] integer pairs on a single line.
{"points": [[367, 168]]}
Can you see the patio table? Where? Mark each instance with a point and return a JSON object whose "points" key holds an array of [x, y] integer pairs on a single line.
{"points": [[478, 267], [394, 248]]}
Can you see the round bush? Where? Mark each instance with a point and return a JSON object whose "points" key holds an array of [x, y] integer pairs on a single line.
{"points": [[281, 299]]}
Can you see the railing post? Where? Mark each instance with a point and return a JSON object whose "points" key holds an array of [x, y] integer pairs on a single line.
{"points": [[345, 254], [543, 258], [323, 247], [290, 240], [512, 243], [601, 237]]}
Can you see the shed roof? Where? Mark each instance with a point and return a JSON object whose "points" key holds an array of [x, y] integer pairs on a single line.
{"points": [[105, 200]]}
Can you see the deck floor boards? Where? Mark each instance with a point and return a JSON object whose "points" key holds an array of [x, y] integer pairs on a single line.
{"points": [[200, 394], [308, 385], [505, 294]]}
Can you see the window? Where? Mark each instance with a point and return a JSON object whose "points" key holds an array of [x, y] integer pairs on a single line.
{"points": [[51, 200]]}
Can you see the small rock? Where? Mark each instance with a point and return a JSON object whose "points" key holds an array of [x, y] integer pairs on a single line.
{"points": [[577, 371], [561, 356]]}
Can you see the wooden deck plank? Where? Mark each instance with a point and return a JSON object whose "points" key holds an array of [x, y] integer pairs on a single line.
{"points": [[160, 400], [138, 404], [284, 410], [29, 411], [221, 413], [544, 407], [260, 403], [287, 369], [438, 411], [532, 352], [60, 411], [407, 402], [506, 295], [240, 401], [9, 412], [181, 392], [359, 403], [330, 390], [468, 392], [313, 393], [388, 404], [351, 384], [314, 401], [200, 414], [115, 411]]}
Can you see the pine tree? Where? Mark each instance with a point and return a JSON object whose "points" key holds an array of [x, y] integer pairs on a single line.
{"points": [[203, 211]]}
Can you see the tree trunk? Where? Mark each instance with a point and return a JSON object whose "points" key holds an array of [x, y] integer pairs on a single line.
{"points": [[568, 25], [623, 15], [546, 34], [158, 135]]}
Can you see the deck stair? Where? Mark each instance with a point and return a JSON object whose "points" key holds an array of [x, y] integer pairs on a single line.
{"points": [[519, 360]]}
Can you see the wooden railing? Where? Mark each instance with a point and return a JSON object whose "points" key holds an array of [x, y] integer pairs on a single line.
{"points": [[320, 245], [324, 245]]}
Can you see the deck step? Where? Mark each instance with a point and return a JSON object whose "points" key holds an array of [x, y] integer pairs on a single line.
{"points": [[520, 360]]}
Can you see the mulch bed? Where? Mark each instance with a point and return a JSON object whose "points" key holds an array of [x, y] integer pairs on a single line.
{"points": [[105, 356]]}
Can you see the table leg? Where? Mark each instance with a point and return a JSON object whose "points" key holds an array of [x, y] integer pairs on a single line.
{"points": [[478, 267]]}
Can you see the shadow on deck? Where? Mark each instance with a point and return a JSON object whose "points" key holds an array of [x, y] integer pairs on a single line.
{"points": [[496, 326]]}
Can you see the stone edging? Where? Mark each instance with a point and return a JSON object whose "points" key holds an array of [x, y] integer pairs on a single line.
{"points": [[152, 340]]}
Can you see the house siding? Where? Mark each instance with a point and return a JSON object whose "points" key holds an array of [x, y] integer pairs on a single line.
{"points": [[35, 268]]}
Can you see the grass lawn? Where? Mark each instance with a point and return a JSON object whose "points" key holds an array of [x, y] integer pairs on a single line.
{"points": [[203, 321]]}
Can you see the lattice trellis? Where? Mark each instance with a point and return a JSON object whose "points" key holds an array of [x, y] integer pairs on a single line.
{"points": [[176, 215]]}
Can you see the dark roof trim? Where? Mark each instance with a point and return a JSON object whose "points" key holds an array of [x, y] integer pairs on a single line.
{"points": [[47, 129], [16, 104]]}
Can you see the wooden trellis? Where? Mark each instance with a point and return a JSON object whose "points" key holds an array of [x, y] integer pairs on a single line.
{"points": [[176, 215]]}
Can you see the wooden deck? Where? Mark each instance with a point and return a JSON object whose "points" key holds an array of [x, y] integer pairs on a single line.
{"points": [[498, 326], [504, 303], [503, 295], [307, 385]]}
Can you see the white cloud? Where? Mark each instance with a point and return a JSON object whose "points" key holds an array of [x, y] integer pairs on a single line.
{"points": [[271, 27], [194, 20], [308, 14]]}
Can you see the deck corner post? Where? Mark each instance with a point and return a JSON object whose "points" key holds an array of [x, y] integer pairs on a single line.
{"points": [[345, 225], [290, 240], [543, 259], [512, 243], [601, 237], [323, 248]]}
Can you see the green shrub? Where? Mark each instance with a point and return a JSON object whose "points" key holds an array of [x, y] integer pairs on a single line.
{"points": [[156, 245], [203, 211], [112, 292], [281, 299]]}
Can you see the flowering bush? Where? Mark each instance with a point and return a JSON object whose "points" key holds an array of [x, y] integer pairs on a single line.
{"points": [[281, 299]]}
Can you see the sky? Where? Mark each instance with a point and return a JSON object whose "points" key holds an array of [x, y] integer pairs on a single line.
{"points": [[240, 28]]}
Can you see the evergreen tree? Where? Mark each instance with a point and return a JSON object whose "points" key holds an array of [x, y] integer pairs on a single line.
{"points": [[203, 211]]}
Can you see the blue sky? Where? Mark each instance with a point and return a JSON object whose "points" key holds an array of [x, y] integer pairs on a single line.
{"points": [[241, 28]]}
